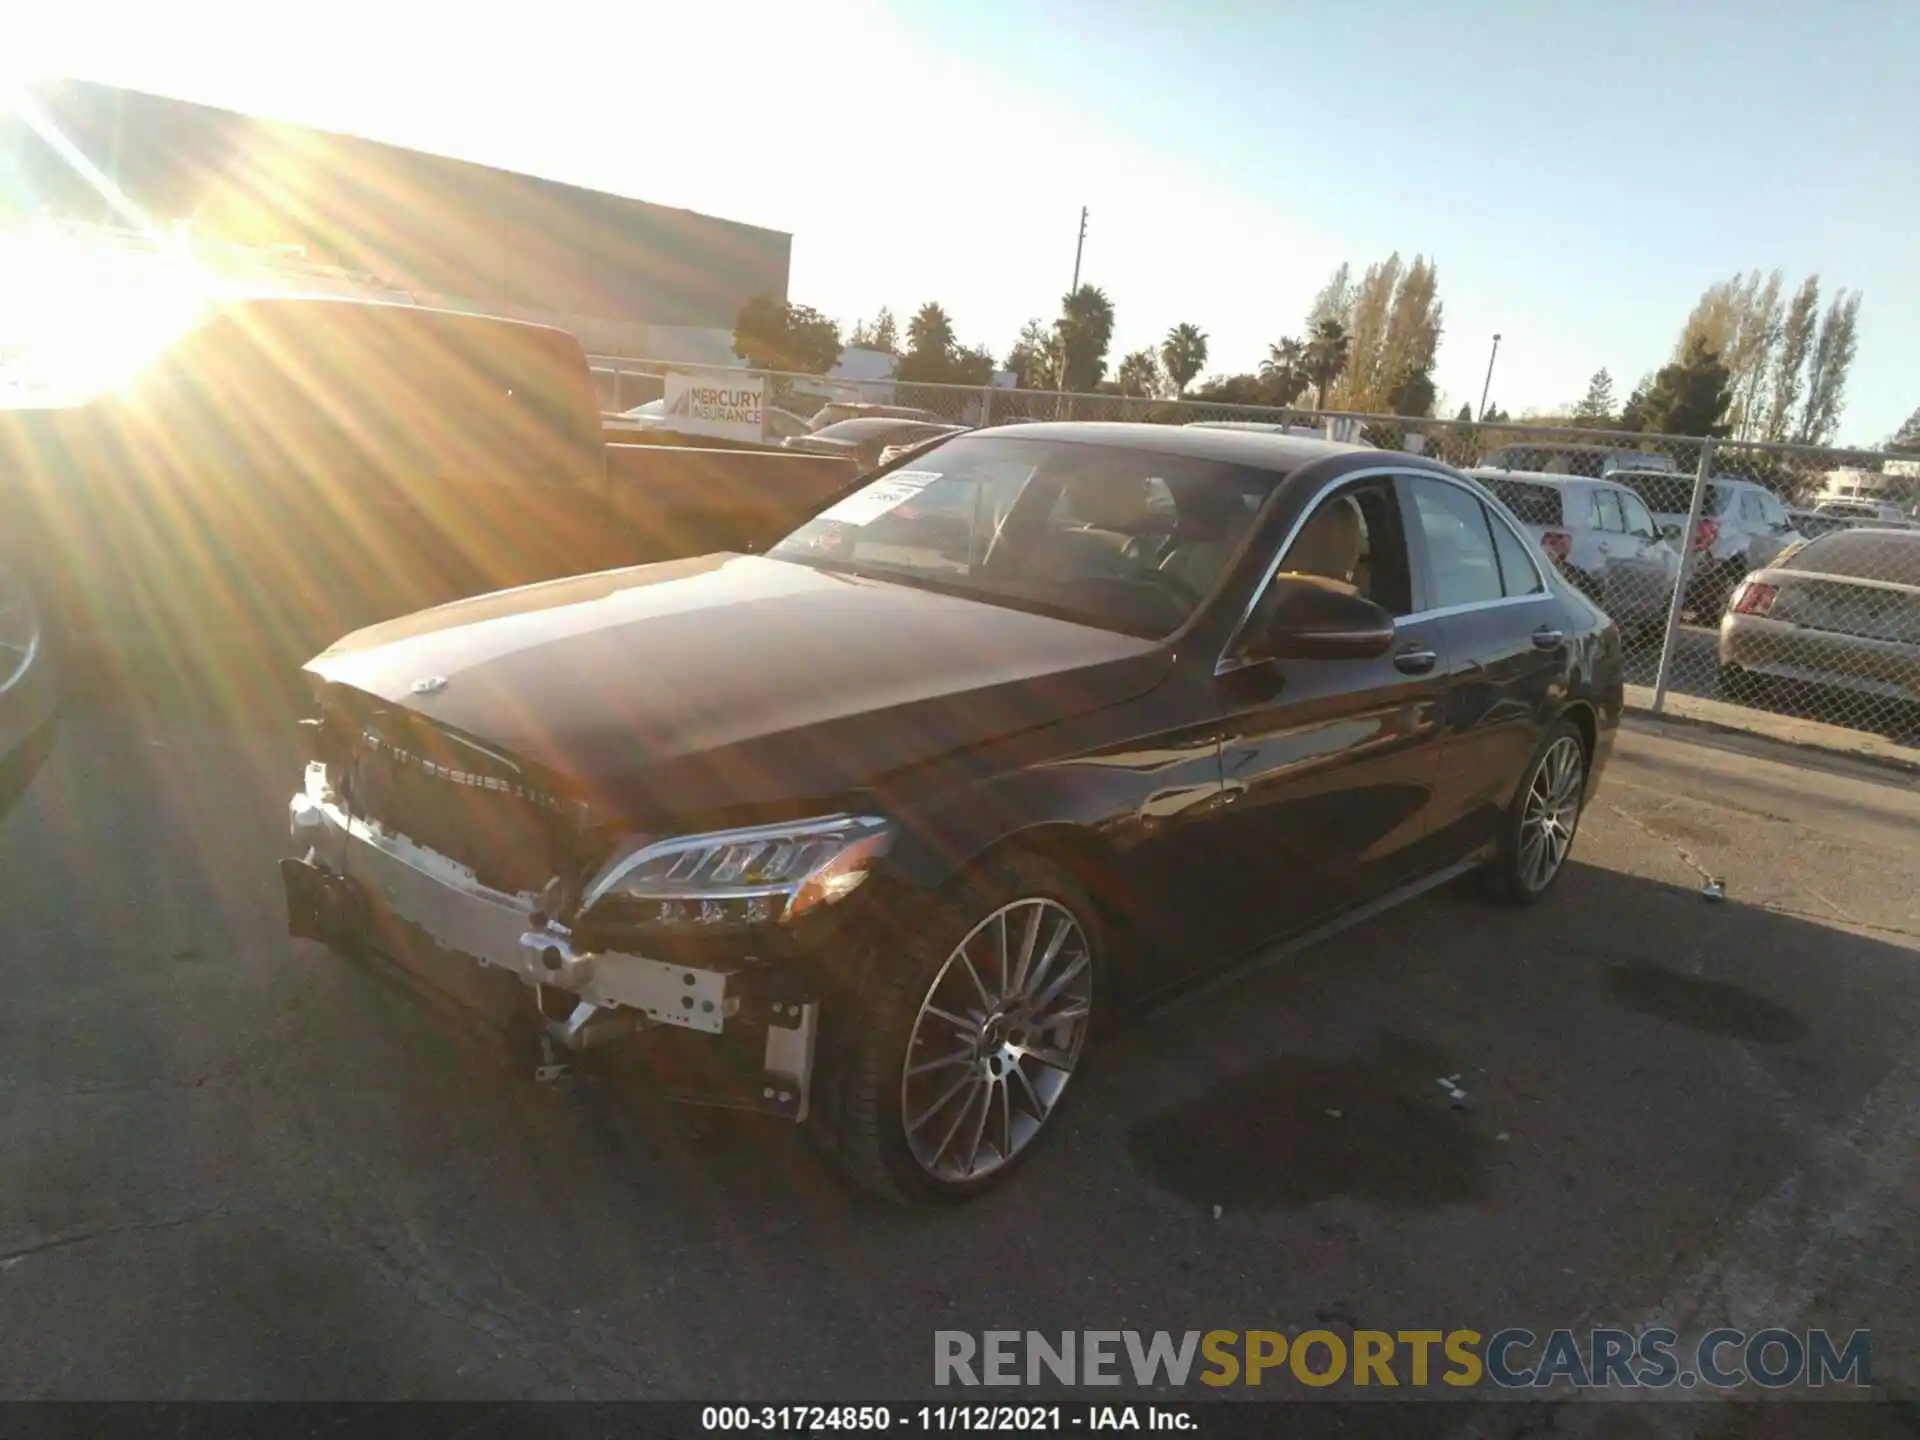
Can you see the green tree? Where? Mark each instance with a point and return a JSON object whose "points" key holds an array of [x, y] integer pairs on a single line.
{"points": [[1393, 323], [970, 365], [1184, 354], [1234, 390], [1827, 369], [1335, 300], [1797, 332], [936, 357], [1083, 333], [1414, 394], [1906, 440], [1284, 371], [1032, 359], [1326, 358], [1691, 396], [1595, 410], [1741, 319], [930, 332], [1139, 374], [772, 334], [882, 333], [1465, 417]]}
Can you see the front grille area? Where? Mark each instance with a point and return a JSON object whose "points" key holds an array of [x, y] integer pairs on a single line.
{"points": [[449, 798]]}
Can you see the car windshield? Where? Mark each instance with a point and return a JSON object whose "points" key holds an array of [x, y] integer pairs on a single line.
{"points": [[1531, 503], [1672, 494], [1128, 540], [1861, 555]]}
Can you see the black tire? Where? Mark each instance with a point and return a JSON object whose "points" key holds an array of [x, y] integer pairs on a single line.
{"points": [[1509, 879], [859, 1114]]}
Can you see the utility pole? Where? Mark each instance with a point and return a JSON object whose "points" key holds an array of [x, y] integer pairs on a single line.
{"points": [[1489, 385], [1078, 246]]}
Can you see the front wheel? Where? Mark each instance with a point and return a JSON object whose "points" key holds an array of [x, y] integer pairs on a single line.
{"points": [[1539, 826], [958, 1056]]}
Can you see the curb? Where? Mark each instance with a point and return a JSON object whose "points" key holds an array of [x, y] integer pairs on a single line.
{"points": [[1905, 765]]}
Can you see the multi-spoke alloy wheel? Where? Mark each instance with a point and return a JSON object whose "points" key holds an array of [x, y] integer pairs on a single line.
{"points": [[996, 1040], [1552, 810], [1540, 823], [965, 1020]]}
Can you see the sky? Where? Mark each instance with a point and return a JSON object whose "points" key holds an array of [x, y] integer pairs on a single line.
{"points": [[1578, 170]]}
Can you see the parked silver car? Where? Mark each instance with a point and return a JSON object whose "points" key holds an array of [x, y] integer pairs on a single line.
{"points": [[1603, 538], [1840, 613], [1743, 526]]}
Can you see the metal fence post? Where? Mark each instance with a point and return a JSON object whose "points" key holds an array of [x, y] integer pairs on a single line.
{"points": [[1700, 479], [986, 406]]}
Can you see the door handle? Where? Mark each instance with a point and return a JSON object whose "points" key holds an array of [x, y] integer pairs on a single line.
{"points": [[1546, 639], [1415, 660]]}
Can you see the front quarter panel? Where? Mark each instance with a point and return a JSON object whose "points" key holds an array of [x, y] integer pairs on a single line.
{"points": [[1116, 795]]}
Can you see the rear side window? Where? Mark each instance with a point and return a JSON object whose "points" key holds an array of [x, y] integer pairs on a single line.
{"points": [[1639, 522], [1518, 574], [1861, 555], [1673, 494], [1461, 559], [1532, 504], [1606, 505]]}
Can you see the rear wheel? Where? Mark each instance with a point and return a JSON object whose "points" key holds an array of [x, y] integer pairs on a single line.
{"points": [[956, 1060], [1538, 830]]}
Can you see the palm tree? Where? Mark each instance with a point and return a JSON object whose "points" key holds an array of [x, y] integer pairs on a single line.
{"points": [[1326, 357], [1285, 370], [930, 332], [1184, 354], [1085, 330], [1139, 374]]}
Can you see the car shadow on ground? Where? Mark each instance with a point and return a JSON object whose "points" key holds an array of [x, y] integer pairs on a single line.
{"points": [[1636, 1068], [1542, 1090]]}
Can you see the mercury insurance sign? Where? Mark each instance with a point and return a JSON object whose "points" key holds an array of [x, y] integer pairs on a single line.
{"points": [[723, 404]]}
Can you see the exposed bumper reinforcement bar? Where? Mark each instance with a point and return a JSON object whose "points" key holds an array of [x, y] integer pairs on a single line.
{"points": [[584, 999]]}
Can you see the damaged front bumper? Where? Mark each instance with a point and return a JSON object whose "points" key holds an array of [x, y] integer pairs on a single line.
{"points": [[353, 874]]}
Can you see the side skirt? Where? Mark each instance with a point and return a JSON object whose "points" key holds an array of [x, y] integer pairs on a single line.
{"points": [[1272, 954]]}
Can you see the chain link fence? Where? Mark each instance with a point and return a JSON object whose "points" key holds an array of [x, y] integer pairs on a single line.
{"points": [[1775, 577]]}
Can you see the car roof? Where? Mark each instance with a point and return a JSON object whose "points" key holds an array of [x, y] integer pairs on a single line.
{"points": [[1540, 477], [874, 409], [1255, 449], [857, 425]]}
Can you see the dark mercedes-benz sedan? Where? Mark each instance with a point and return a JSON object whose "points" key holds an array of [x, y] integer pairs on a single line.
{"points": [[881, 824]]}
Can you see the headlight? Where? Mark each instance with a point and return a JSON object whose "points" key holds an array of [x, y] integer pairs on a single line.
{"points": [[735, 877]]}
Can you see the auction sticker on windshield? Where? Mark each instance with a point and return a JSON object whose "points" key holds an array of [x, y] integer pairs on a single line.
{"points": [[865, 506]]}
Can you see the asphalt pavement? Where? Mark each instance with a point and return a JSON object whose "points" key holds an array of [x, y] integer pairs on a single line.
{"points": [[239, 1167]]}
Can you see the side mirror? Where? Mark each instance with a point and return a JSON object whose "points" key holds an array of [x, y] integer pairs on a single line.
{"points": [[1671, 532], [1313, 619]]}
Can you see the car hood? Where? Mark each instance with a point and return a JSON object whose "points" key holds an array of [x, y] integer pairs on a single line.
{"points": [[735, 681]]}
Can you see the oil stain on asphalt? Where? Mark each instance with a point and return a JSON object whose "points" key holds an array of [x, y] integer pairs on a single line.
{"points": [[1711, 1007], [1303, 1128]]}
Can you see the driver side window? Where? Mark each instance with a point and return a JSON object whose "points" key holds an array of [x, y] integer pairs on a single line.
{"points": [[1354, 537]]}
